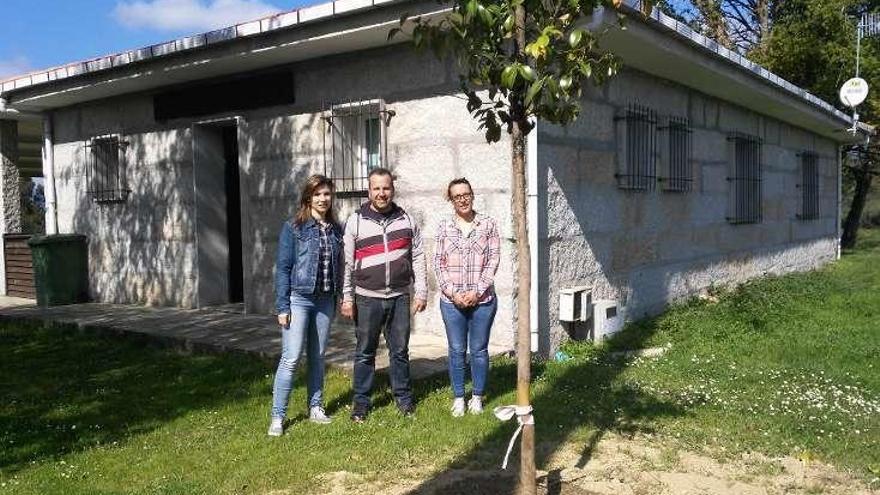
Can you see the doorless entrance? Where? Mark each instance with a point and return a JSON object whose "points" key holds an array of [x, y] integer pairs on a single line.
{"points": [[218, 213]]}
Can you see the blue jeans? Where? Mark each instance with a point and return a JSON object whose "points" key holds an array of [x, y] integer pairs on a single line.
{"points": [[468, 328], [391, 318], [310, 317]]}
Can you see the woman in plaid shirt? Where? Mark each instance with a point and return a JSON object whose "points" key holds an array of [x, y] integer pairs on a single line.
{"points": [[466, 255]]}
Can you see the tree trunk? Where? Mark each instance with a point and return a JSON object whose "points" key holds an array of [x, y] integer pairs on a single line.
{"points": [[862, 176], [523, 337], [527, 485]]}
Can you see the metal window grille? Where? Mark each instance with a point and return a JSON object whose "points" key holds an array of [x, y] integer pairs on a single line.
{"points": [[355, 143], [745, 180], [105, 170], [639, 167], [678, 174], [809, 186]]}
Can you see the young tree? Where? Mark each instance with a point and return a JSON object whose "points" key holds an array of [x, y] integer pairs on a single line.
{"points": [[519, 60]]}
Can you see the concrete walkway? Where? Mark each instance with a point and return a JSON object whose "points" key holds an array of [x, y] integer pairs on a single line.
{"points": [[222, 329]]}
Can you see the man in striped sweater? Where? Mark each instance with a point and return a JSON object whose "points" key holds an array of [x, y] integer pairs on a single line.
{"points": [[384, 264]]}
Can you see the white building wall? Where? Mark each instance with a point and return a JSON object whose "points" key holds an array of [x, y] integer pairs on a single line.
{"points": [[646, 249]]}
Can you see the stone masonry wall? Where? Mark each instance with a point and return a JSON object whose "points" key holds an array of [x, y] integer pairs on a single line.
{"points": [[141, 250], [9, 177], [646, 249], [144, 250]]}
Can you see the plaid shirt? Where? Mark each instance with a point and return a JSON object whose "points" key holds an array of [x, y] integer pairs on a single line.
{"points": [[463, 264], [324, 282]]}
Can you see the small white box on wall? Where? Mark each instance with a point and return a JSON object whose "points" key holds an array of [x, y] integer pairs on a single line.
{"points": [[608, 318], [574, 304]]}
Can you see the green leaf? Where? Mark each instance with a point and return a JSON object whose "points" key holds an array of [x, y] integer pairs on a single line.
{"points": [[575, 38], [543, 41], [508, 75], [474, 101], [470, 10], [527, 72], [565, 82], [534, 89], [484, 14], [508, 23], [493, 129], [586, 69], [418, 37]]}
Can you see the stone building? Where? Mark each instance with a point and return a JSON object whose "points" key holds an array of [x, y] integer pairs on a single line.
{"points": [[691, 168]]}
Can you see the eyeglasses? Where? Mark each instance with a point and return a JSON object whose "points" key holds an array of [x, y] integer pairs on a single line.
{"points": [[463, 197]]}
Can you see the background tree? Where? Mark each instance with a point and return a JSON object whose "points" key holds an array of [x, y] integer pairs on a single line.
{"points": [[519, 60], [743, 25], [813, 46]]}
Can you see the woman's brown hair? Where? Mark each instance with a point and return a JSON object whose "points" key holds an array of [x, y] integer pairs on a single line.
{"points": [[313, 183]]}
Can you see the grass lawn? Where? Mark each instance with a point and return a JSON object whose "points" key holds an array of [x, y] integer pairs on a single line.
{"points": [[784, 366]]}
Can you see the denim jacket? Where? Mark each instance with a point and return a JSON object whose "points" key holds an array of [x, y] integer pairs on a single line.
{"points": [[296, 268]]}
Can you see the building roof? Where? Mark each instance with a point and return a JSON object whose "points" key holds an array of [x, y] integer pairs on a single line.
{"points": [[71, 83]]}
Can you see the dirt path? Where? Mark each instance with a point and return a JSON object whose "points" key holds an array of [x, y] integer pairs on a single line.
{"points": [[623, 466]]}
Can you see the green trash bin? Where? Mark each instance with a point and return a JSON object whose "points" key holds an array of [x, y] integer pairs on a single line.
{"points": [[61, 268]]}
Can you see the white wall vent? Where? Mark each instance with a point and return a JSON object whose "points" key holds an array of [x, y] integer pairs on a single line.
{"points": [[574, 304]]}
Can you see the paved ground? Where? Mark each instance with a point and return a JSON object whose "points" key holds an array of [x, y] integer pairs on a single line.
{"points": [[222, 329]]}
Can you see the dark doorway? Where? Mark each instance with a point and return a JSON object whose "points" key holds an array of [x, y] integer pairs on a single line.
{"points": [[218, 213], [233, 214]]}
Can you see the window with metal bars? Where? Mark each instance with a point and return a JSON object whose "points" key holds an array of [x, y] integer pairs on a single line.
{"points": [[638, 160], [677, 169], [809, 186], [355, 143], [105, 170], [745, 201]]}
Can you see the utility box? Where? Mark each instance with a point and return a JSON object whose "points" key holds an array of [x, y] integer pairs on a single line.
{"points": [[608, 318], [61, 269], [574, 304]]}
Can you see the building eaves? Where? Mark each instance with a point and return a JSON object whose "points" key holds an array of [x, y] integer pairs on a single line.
{"points": [[329, 10], [272, 23]]}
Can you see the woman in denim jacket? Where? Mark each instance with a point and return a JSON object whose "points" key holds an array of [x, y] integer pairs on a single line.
{"points": [[308, 276]]}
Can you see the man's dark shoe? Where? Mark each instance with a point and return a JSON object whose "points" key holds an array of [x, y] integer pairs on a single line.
{"points": [[406, 410], [359, 413]]}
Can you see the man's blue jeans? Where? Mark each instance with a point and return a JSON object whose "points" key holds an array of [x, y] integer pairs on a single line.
{"points": [[310, 317], [468, 328], [391, 318]]}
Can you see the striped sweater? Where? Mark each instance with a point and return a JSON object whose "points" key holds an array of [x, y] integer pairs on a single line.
{"points": [[384, 256]]}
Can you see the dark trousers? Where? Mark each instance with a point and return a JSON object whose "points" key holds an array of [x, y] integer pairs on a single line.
{"points": [[391, 318]]}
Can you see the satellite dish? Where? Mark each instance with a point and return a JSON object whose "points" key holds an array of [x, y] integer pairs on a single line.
{"points": [[854, 92]]}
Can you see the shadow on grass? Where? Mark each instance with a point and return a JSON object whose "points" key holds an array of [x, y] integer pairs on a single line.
{"points": [[585, 392], [64, 393]]}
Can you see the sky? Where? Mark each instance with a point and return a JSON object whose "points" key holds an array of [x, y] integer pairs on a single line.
{"points": [[39, 34]]}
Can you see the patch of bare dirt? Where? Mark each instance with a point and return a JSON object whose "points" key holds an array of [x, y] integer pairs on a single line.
{"points": [[642, 466], [621, 466]]}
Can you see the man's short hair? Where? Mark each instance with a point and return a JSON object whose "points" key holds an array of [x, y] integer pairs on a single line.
{"points": [[381, 171]]}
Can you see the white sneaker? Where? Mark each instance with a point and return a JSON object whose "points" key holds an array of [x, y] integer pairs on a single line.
{"points": [[317, 415], [276, 427], [475, 405], [458, 407]]}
